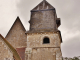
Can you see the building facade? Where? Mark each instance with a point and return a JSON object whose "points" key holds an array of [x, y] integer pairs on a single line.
{"points": [[41, 42]]}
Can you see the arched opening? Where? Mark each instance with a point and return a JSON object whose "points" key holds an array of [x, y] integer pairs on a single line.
{"points": [[46, 40]]}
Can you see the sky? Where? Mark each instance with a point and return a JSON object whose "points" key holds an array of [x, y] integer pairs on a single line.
{"points": [[67, 10]]}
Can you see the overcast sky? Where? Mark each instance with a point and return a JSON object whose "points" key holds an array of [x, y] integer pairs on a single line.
{"points": [[67, 10]]}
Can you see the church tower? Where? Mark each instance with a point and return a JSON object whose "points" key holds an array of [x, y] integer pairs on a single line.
{"points": [[44, 39]]}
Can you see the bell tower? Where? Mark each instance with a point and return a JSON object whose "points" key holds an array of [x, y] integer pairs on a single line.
{"points": [[43, 38]]}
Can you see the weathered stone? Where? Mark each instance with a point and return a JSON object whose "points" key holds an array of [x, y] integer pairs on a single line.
{"points": [[44, 38], [16, 36], [41, 42], [5, 52], [36, 40], [41, 51]]}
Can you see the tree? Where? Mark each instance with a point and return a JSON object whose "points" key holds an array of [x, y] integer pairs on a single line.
{"points": [[66, 58], [75, 58]]}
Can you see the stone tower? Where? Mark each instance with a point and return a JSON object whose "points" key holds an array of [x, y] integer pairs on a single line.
{"points": [[43, 38]]}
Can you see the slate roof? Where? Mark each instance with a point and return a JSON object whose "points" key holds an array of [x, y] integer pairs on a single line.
{"points": [[43, 6]]}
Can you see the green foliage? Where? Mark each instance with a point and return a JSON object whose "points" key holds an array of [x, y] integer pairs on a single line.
{"points": [[74, 58]]}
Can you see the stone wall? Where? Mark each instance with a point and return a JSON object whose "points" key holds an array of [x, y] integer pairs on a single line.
{"points": [[16, 36], [43, 54], [5, 52], [36, 50], [36, 40]]}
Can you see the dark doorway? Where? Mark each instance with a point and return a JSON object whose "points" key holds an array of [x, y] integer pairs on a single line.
{"points": [[46, 40]]}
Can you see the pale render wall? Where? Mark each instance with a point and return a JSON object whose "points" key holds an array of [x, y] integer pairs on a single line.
{"points": [[5, 52], [36, 40]]}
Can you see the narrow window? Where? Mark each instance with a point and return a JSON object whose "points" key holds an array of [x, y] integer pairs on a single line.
{"points": [[46, 40]]}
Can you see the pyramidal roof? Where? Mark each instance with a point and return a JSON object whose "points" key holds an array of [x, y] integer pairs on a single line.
{"points": [[17, 24], [43, 6]]}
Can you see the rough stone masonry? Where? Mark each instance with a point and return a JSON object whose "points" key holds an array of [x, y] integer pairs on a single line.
{"points": [[41, 42]]}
